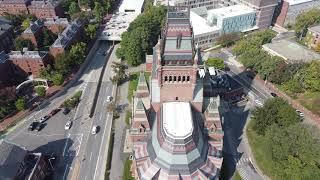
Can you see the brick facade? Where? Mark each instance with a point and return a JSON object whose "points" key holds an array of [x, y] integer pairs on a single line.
{"points": [[313, 36], [33, 32], [56, 25], [13, 7]]}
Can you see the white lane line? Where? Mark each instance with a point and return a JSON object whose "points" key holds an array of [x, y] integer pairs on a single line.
{"points": [[104, 131], [65, 171], [90, 156], [65, 145], [80, 142]]}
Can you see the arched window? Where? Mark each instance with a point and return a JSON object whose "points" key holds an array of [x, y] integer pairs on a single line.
{"points": [[174, 78], [188, 78], [166, 78], [170, 78], [179, 78], [183, 78]]}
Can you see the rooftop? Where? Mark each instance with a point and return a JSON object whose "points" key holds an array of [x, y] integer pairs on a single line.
{"points": [[3, 57], [67, 34], [295, 2], [315, 29], [27, 54], [4, 28], [177, 119], [291, 51], [50, 21], [34, 26], [200, 25], [131, 6], [231, 11]]}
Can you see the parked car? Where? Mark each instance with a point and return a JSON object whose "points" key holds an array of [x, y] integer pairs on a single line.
{"points": [[33, 125], [66, 111], [55, 111], [68, 125], [274, 94], [39, 126], [109, 98], [94, 129], [44, 118]]}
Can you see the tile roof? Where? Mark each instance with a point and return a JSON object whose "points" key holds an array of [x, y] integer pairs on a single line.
{"points": [[34, 26], [3, 57], [68, 33]]}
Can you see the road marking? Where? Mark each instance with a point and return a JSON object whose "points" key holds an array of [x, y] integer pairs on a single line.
{"points": [[104, 131], [65, 145], [90, 156], [65, 171]]}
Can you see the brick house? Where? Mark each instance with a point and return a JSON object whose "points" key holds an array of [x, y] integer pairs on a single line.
{"points": [[56, 25], [18, 163], [313, 36], [68, 37], [14, 6], [29, 62], [33, 32], [6, 37], [46, 9]]}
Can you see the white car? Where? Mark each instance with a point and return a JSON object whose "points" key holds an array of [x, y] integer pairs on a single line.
{"points": [[300, 113], [94, 129], [109, 98], [68, 125]]}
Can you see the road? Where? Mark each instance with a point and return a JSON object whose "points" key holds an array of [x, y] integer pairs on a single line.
{"points": [[70, 146]]}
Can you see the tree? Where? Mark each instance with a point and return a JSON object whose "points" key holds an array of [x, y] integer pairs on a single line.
{"points": [[311, 76], [77, 53], [119, 70], [216, 62], [91, 30], [73, 8], [134, 53], [57, 79], [268, 66], [25, 24], [41, 91], [227, 40], [98, 11], [20, 104], [305, 20], [46, 39], [20, 43]]}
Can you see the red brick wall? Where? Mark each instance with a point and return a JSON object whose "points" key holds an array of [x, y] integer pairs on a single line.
{"points": [[280, 20], [13, 8], [55, 51], [31, 37], [56, 28], [32, 66]]}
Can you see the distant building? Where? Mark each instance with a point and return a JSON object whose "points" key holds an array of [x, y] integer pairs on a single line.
{"points": [[67, 38], [56, 25], [290, 51], [29, 62], [131, 6], [33, 32], [6, 36], [209, 4], [288, 10], [208, 25], [17, 163], [41, 9], [5, 68], [313, 36]]}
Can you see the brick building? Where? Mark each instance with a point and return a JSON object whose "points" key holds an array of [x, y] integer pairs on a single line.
{"points": [[68, 37], [313, 36], [33, 32], [172, 138], [6, 36], [5, 68], [29, 62], [41, 9], [18, 163], [56, 25]]}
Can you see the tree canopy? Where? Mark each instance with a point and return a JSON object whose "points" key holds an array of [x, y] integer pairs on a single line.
{"points": [[227, 40], [305, 20], [46, 39], [216, 62], [41, 91], [20, 104], [20, 43]]}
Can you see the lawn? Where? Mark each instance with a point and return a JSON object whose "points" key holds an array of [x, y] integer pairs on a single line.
{"points": [[261, 150], [311, 100], [134, 78], [126, 171], [128, 116], [236, 176]]}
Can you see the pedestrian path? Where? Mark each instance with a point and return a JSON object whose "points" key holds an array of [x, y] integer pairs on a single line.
{"points": [[243, 161], [243, 173]]}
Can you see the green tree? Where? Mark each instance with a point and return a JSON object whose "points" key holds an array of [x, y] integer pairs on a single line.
{"points": [[20, 43], [269, 65], [25, 24], [46, 39], [91, 30], [215, 62], [98, 11], [134, 53], [41, 91], [20, 104], [119, 70], [57, 79], [311, 76], [227, 40], [305, 20], [77, 53], [73, 8]]}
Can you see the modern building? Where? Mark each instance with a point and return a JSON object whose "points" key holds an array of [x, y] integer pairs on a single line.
{"points": [[33, 32], [6, 36], [208, 25], [131, 6], [71, 35], [288, 10], [209, 4], [41, 9], [18, 163], [5, 69], [29, 63], [172, 137], [290, 51], [56, 25], [313, 36]]}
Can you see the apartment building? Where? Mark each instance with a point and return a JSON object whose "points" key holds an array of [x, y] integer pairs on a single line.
{"points": [[33, 32], [56, 25]]}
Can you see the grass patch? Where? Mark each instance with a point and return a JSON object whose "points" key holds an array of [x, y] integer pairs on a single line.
{"points": [[126, 170], [132, 85], [237, 176], [73, 102], [109, 160], [261, 150], [311, 101], [147, 76], [128, 116]]}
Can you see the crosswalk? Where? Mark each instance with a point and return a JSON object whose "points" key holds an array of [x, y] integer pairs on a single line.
{"points": [[243, 161], [243, 173]]}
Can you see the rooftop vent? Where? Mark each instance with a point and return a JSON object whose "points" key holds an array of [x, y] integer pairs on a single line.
{"points": [[179, 38]]}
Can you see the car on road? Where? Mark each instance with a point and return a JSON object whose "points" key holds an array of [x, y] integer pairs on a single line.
{"points": [[33, 125], [109, 98], [94, 129], [274, 94], [44, 118], [39, 126], [66, 111], [55, 111], [68, 125]]}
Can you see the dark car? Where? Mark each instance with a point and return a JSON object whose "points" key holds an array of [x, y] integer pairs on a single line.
{"points": [[66, 111], [274, 94], [44, 118], [39, 126], [32, 126], [55, 111]]}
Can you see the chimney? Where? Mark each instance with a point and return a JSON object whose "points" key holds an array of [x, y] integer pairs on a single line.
{"points": [[24, 50]]}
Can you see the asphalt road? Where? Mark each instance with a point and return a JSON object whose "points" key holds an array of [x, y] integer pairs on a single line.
{"points": [[70, 145]]}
